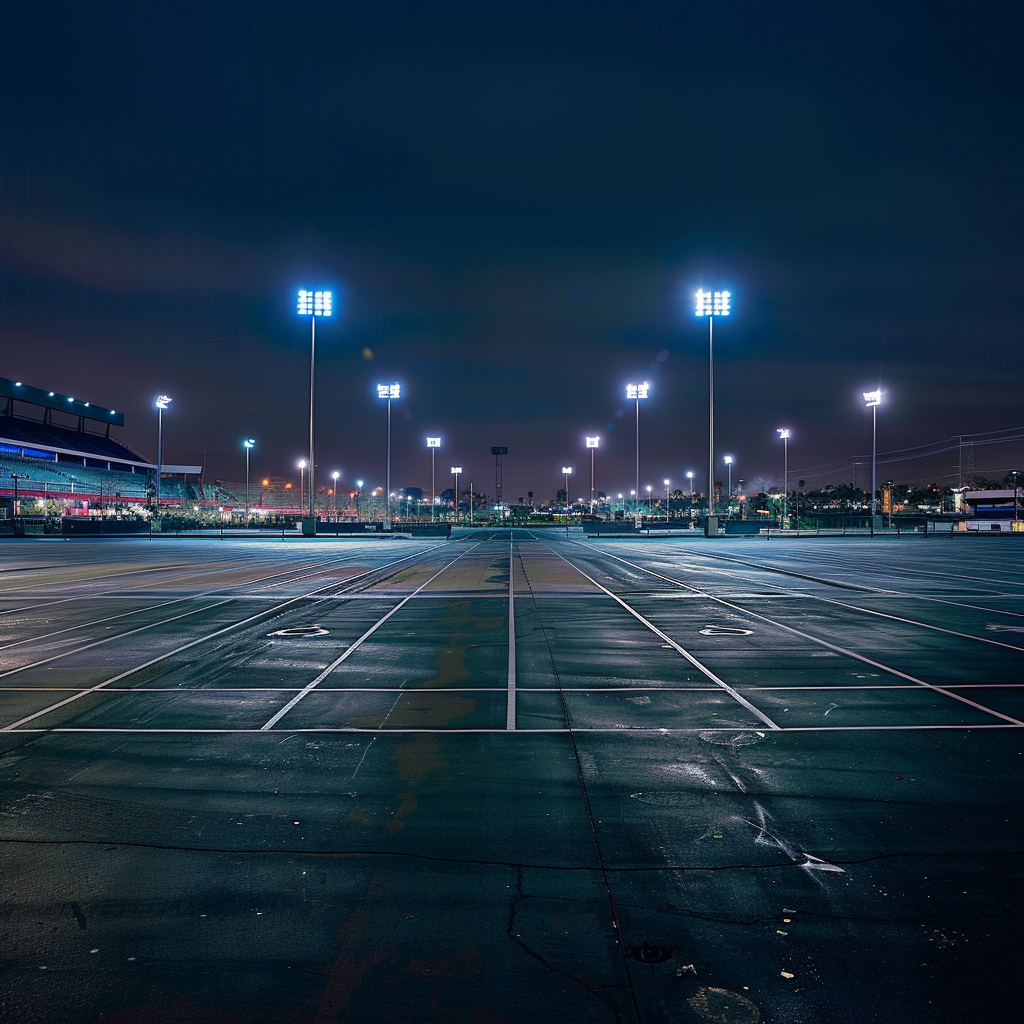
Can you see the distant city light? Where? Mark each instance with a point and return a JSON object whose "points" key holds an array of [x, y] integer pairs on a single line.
{"points": [[315, 303], [593, 442], [713, 303], [636, 391], [389, 390]]}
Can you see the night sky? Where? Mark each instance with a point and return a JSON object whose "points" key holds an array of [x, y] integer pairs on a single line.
{"points": [[514, 204]]}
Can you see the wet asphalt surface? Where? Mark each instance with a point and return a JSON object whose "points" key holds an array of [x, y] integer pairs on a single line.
{"points": [[794, 765]]}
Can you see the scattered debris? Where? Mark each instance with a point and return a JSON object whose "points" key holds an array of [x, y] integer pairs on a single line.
{"points": [[787, 975], [683, 969]]}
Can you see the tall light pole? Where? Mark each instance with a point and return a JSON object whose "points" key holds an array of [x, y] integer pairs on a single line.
{"points": [[636, 392], [334, 477], [592, 443], [1015, 473], [650, 503], [302, 490], [728, 463], [666, 499], [389, 391], [313, 304], [359, 494], [248, 444], [872, 400], [567, 472], [784, 435], [433, 443], [689, 476], [712, 304], [162, 401], [636, 501], [456, 470]]}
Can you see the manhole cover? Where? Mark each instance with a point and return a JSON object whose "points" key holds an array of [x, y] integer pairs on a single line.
{"points": [[725, 631], [300, 631], [648, 954]]}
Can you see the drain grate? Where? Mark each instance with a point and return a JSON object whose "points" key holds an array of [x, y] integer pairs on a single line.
{"points": [[648, 954], [300, 631]]}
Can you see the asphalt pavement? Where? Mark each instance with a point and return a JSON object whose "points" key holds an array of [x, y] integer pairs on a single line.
{"points": [[515, 776]]}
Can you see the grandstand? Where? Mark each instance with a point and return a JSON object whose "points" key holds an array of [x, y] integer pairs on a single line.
{"points": [[47, 451]]}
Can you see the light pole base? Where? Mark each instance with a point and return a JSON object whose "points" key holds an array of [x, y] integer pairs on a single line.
{"points": [[711, 526], [309, 527]]}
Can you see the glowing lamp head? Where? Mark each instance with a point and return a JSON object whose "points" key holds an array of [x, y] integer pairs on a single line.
{"points": [[433, 442], [636, 391], [162, 401], [872, 398], [335, 475], [783, 433], [249, 442], [302, 463], [689, 475], [567, 471], [456, 470], [389, 390], [667, 483], [359, 484], [315, 303], [728, 460], [593, 442], [713, 303]]}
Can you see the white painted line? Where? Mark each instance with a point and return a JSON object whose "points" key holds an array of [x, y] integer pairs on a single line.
{"points": [[675, 646], [510, 712], [185, 647], [825, 643], [355, 646], [638, 731]]}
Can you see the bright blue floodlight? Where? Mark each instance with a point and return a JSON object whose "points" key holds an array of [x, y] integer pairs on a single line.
{"points": [[389, 390], [315, 303], [713, 303]]}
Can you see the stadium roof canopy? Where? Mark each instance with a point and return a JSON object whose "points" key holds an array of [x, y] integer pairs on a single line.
{"points": [[16, 391]]}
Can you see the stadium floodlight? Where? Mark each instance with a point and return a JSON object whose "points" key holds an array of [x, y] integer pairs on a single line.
{"points": [[712, 304], [313, 304], [334, 477], [667, 502], [567, 472], [389, 392], [784, 435], [728, 463], [689, 476], [433, 443], [635, 392], [359, 494], [162, 402], [872, 400], [248, 444], [592, 444]]}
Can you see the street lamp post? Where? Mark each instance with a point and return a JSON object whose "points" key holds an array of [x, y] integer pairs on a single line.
{"points": [[636, 392], [359, 494], [784, 435], [248, 444], [567, 472], [632, 494], [302, 490], [728, 463], [433, 443], [389, 391], [313, 304], [162, 402], [650, 503], [456, 470], [689, 476], [334, 477], [592, 443], [872, 400], [667, 505], [712, 304]]}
